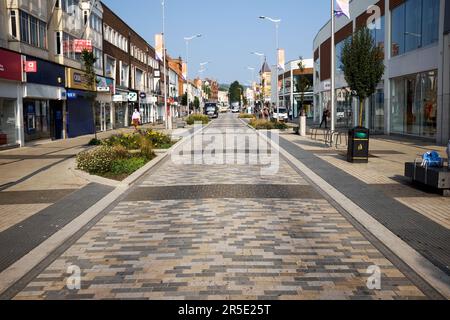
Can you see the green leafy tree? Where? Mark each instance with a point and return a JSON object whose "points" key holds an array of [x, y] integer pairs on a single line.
{"points": [[184, 99], [88, 58], [303, 84], [363, 66], [196, 103], [235, 92]]}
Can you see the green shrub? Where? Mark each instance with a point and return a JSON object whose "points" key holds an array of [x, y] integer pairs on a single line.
{"points": [[129, 141], [246, 116], [95, 142], [197, 118], [98, 160], [158, 139], [260, 124], [127, 166], [146, 147]]}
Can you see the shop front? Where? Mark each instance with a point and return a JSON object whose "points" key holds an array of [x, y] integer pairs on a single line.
{"points": [[103, 104], [80, 104], [414, 105], [44, 97], [146, 107], [120, 109], [10, 107]]}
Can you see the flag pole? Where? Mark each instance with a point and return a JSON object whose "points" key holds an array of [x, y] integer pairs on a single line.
{"points": [[333, 63]]}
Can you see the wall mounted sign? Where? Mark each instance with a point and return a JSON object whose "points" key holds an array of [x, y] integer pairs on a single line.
{"points": [[132, 97], [30, 66], [10, 65]]}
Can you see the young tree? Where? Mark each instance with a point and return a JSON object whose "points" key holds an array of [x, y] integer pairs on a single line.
{"points": [[303, 84], [236, 90], [363, 66], [196, 103], [88, 58]]}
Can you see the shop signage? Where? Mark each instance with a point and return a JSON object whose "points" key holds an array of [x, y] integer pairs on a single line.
{"points": [[327, 85], [132, 97], [79, 45], [71, 95], [105, 85], [120, 97], [10, 66], [30, 66], [76, 79]]}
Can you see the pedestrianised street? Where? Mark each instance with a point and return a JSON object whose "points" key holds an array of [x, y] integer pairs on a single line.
{"points": [[227, 231]]}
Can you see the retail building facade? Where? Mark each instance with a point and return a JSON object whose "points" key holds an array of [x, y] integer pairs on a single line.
{"points": [[412, 98]]}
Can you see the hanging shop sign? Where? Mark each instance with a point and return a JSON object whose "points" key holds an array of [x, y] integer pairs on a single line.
{"points": [[105, 85], [79, 45], [132, 97]]}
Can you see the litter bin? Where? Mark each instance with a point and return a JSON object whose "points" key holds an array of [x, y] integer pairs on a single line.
{"points": [[358, 145]]}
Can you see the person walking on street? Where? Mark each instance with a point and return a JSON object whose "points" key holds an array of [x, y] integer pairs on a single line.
{"points": [[325, 115], [136, 119]]}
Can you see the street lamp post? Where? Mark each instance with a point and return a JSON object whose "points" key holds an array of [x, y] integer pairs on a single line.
{"points": [[167, 114], [188, 39], [262, 57], [277, 26]]}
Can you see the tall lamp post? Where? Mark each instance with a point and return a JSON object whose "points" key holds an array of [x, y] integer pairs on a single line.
{"points": [[277, 26], [262, 57], [188, 39], [167, 113]]}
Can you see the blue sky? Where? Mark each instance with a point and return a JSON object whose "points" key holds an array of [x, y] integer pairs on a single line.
{"points": [[231, 30]]}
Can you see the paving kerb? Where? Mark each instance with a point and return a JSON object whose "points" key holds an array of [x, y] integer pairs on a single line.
{"points": [[428, 271], [20, 268]]}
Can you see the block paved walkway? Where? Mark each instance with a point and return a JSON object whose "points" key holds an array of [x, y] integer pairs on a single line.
{"points": [[40, 193], [193, 231]]}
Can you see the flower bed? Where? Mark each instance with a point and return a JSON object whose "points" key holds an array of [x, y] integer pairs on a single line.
{"points": [[246, 116], [121, 155], [260, 124], [197, 118]]}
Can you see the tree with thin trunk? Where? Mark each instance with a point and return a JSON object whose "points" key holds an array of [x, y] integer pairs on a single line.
{"points": [[363, 66], [88, 58]]}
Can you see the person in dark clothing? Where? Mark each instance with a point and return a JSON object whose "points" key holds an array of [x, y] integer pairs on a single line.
{"points": [[325, 115]]}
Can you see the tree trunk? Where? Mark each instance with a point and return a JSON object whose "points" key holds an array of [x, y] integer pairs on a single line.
{"points": [[361, 105]]}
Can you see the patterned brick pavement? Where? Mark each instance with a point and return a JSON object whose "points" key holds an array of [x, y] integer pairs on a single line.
{"points": [[174, 247]]}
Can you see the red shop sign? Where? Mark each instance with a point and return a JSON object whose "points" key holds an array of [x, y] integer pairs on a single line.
{"points": [[30, 66], [10, 65]]}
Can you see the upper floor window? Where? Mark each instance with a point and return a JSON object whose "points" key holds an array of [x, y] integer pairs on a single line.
{"points": [[33, 31], [415, 24]]}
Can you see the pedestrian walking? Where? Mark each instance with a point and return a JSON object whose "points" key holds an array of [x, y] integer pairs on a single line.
{"points": [[136, 119], [325, 115]]}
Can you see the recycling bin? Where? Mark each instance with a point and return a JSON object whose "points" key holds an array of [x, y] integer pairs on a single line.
{"points": [[358, 145]]}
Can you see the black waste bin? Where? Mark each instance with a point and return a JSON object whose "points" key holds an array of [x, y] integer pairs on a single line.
{"points": [[358, 145]]}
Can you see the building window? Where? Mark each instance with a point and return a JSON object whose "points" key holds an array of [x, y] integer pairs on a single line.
{"points": [[13, 24], [33, 31], [414, 104], [415, 24], [124, 75], [58, 43], [110, 67]]}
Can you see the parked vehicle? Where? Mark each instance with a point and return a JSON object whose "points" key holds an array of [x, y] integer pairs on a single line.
{"points": [[235, 108], [282, 115], [212, 110], [223, 109]]}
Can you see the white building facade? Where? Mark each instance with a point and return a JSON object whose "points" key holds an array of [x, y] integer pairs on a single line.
{"points": [[413, 97]]}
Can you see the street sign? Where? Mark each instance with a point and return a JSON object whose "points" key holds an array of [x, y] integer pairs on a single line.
{"points": [[142, 95], [132, 97], [30, 66]]}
